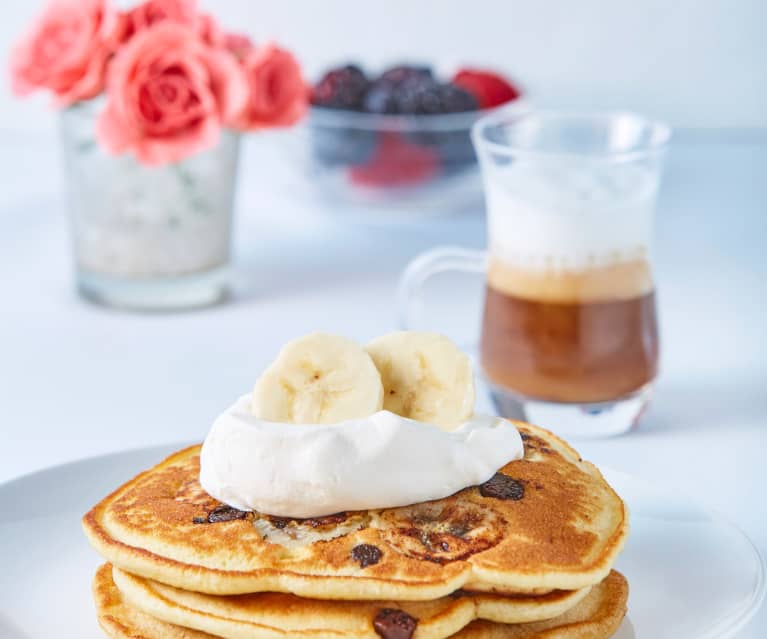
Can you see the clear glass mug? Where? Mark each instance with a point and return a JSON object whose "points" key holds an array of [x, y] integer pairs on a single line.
{"points": [[569, 334]]}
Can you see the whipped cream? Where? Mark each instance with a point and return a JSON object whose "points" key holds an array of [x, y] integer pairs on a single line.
{"points": [[381, 461]]}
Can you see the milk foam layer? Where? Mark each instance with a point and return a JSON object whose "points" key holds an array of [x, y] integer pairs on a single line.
{"points": [[569, 215], [382, 461], [618, 281]]}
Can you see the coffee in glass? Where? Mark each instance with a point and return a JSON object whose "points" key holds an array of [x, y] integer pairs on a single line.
{"points": [[569, 330]]}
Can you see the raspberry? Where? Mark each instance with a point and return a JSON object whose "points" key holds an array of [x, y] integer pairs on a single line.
{"points": [[396, 162], [490, 89]]}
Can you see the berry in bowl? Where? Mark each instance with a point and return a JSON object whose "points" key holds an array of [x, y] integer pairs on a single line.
{"points": [[400, 141]]}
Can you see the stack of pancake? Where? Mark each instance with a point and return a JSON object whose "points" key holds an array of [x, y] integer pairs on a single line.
{"points": [[529, 553]]}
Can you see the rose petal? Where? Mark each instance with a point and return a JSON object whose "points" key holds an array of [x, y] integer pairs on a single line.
{"points": [[278, 93], [229, 84], [156, 152], [111, 131]]}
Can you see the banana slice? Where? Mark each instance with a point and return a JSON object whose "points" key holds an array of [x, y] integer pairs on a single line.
{"points": [[425, 377], [318, 379]]}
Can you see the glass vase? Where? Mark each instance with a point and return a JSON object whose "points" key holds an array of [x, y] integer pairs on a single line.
{"points": [[148, 237]]}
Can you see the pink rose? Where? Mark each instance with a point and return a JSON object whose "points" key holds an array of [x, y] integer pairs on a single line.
{"points": [[239, 44], [278, 93], [66, 51], [151, 12], [183, 12], [210, 31], [168, 94]]}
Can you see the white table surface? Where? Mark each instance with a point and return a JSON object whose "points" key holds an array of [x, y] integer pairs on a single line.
{"points": [[78, 380]]}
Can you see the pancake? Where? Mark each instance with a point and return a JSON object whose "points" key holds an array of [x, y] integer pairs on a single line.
{"points": [[596, 616], [266, 615], [546, 522], [119, 621]]}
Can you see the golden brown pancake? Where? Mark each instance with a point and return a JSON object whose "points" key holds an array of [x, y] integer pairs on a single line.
{"points": [[546, 522], [119, 621], [260, 615], [597, 616]]}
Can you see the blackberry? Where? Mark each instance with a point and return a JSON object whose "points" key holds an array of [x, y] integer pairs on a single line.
{"points": [[422, 98], [419, 98], [452, 146], [385, 93], [456, 100], [404, 73], [381, 98], [342, 88]]}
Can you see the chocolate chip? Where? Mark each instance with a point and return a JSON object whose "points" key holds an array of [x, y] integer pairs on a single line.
{"points": [[391, 623], [501, 486], [327, 520], [225, 513], [313, 522], [279, 522], [366, 555], [200, 520], [524, 436], [459, 530]]}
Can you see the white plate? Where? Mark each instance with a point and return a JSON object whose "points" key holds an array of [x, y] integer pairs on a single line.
{"points": [[692, 575]]}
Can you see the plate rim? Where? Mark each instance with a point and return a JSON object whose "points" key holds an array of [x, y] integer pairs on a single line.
{"points": [[729, 625], [8, 484]]}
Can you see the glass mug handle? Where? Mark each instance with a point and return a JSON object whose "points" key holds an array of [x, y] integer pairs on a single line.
{"points": [[422, 268]]}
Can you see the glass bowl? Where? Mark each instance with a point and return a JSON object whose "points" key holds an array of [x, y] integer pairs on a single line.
{"points": [[402, 166]]}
